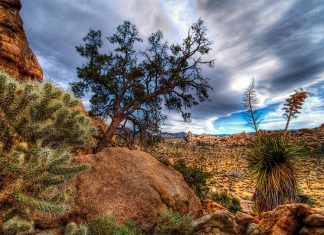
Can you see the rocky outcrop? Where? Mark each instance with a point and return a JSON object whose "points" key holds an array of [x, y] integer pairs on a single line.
{"points": [[289, 219], [292, 219], [285, 219], [129, 185], [218, 222], [16, 58]]}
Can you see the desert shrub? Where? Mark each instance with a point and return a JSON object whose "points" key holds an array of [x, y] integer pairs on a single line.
{"points": [[173, 223], [40, 125], [301, 197], [164, 161], [107, 226], [232, 203], [305, 199], [270, 160], [319, 152], [74, 229], [195, 177]]}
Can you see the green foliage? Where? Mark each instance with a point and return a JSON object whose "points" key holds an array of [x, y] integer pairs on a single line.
{"points": [[271, 160], [195, 178], [131, 87], [173, 223], [40, 125], [107, 226], [17, 224], [230, 202]]}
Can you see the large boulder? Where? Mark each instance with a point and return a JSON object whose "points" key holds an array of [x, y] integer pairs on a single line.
{"points": [[130, 185], [16, 58], [285, 219]]}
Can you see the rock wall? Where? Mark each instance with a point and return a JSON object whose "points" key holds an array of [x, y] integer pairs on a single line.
{"points": [[16, 58]]}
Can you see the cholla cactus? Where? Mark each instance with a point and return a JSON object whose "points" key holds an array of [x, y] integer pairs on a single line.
{"points": [[74, 229], [40, 125]]}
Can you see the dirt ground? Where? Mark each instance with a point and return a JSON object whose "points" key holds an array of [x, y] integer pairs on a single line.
{"points": [[229, 166]]}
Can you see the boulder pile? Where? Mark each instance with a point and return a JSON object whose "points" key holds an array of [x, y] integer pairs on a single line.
{"points": [[287, 219]]}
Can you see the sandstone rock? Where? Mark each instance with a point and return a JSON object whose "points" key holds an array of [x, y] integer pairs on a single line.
{"points": [[171, 161], [16, 58], [314, 220], [212, 206], [243, 220], [248, 207], [219, 222], [189, 137], [130, 185], [312, 231], [253, 229], [284, 219]]}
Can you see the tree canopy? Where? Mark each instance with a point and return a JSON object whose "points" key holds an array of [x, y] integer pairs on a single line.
{"points": [[131, 86]]}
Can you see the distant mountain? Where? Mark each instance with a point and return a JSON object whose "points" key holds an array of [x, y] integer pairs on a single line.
{"points": [[183, 134], [174, 135]]}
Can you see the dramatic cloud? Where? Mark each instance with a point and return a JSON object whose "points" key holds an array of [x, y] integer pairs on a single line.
{"points": [[279, 43]]}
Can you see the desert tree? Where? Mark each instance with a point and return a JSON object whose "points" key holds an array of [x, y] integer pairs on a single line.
{"points": [[293, 105], [250, 102], [131, 86], [40, 125]]}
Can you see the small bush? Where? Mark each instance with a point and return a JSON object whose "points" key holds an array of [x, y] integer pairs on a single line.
{"points": [[173, 223], [74, 229], [107, 226], [230, 202], [195, 178]]}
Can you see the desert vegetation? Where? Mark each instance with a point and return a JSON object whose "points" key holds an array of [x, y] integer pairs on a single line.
{"points": [[40, 126], [130, 87], [112, 171]]}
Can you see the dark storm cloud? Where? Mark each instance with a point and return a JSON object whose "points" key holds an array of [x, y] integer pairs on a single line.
{"points": [[280, 43], [222, 100], [55, 27], [295, 39], [298, 41]]}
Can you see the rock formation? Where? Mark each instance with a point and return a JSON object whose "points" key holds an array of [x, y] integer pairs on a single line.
{"points": [[16, 58], [286, 219], [128, 185]]}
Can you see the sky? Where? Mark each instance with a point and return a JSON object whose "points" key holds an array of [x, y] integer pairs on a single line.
{"points": [[278, 43]]}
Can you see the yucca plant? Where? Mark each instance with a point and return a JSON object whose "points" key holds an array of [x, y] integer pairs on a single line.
{"points": [[271, 160], [40, 125]]}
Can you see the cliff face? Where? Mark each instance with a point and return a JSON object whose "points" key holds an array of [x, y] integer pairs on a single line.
{"points": [[16, 58]]}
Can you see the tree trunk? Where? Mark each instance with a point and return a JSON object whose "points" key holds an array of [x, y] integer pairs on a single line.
{"points": [[286, 127], [107, 138], [254, 123], [287, 123]]}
